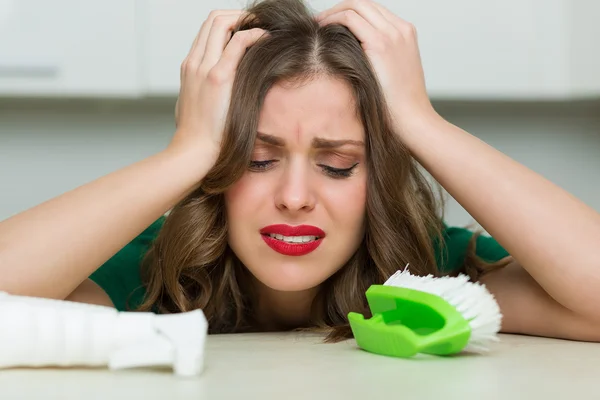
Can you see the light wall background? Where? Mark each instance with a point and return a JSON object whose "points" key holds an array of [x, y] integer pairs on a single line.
{"points": [[48, 147]]}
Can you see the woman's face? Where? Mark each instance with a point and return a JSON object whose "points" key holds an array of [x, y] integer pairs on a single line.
{"points": [[297, 214]]}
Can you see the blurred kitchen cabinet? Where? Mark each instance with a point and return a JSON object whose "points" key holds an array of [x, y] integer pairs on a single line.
{"points": [[471, 49], [68, 48], [167, 30]]}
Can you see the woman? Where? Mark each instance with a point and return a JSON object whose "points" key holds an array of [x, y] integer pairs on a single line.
{"points": [[292, 186]]}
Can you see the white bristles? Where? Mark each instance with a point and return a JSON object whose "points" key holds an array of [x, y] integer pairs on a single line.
{"points": [[476, 304]]}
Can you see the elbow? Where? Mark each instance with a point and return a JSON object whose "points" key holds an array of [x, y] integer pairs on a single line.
{"points": [[588, 310], [583, 297], [585, 328]]}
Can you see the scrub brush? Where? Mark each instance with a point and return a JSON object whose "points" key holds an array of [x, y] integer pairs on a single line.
{"points": [[39, 332], [439, 316]]}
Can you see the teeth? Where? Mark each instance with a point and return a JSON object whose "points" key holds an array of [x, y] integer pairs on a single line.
{"points": [[294, 239]]}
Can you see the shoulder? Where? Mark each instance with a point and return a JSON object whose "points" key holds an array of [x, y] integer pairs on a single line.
{"points": [[450, 255], [120, 276]]}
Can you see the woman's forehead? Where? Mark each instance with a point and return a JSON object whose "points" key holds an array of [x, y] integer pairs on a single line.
{"points": [[322, 107]]}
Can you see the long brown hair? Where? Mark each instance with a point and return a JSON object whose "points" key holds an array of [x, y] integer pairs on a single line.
{"points": [[190, 265]]}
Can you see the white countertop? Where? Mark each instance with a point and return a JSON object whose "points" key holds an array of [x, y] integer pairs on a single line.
{"points": [[300, 366]]}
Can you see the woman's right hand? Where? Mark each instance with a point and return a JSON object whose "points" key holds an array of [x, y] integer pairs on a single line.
{"points": [[207, 76], [51, 249]]}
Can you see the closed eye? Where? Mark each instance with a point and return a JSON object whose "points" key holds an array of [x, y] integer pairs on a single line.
{"points": [[260, 165], [338, 172]]}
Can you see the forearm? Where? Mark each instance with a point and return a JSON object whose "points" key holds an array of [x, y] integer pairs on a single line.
{"points": [[552, 234], [49, 250]]}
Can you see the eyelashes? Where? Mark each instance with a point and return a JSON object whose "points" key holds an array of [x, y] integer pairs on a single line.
{"points": [[258, 166], [336, 173]]}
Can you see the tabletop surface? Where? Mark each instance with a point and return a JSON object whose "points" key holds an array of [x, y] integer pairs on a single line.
{"points": [[301, 366]]}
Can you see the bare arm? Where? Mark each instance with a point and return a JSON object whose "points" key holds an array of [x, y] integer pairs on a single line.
{"points": [[528, 309], [50, 250], [553, 235], [90, 293]]}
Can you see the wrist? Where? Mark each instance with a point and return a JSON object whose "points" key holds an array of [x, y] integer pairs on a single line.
{"points": [[193, 162], [198, 149], [417, 124]]}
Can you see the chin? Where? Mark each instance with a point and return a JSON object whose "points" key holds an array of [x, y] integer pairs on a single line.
{"points": [[288, 286], [288, 278]]}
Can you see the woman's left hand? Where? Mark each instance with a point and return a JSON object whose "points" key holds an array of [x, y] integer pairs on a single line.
{"points": [[391, 45]]}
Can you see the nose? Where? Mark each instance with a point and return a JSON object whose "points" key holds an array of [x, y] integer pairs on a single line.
{"points": [[295, 192]]}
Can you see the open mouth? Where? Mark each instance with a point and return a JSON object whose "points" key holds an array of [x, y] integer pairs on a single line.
{"points": [[292, 245], [293, 239]]}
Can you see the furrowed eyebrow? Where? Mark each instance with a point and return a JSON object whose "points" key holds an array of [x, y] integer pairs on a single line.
{"points": [[317, 143], [270, 139]]}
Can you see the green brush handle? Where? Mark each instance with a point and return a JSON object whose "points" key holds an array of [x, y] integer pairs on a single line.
{"points": [[406, 322]]}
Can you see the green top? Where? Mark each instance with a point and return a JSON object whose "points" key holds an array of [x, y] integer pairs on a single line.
{"points": [[120, 275]]}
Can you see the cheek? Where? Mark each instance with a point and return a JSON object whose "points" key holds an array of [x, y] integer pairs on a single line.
{"points": [[242, 196], [238, 205], [232, 196], [347, 203]]}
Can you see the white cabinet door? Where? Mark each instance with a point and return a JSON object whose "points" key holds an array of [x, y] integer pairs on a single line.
{"points": [[68, 48], [167, 30], [583, 51], [487, 49]]}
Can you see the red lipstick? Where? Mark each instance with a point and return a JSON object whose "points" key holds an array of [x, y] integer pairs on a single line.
{"points": [[292, 248]]}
